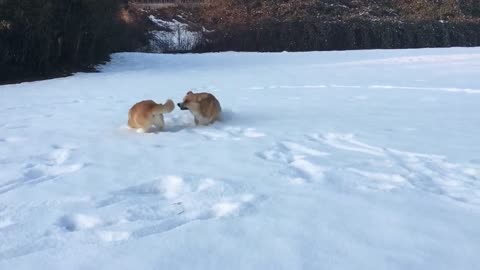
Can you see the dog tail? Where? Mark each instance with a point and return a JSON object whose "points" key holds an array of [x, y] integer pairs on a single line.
{"points": [[169, 106]]}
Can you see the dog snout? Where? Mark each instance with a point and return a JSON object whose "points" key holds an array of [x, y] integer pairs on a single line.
{"points": [[182, 106]]}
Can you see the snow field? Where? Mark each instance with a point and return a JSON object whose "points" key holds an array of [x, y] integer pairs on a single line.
{"points": [[343, 160]]}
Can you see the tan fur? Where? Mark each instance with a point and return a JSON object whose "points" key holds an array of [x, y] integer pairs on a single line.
{"points": [[204, 106], [148, 114]]}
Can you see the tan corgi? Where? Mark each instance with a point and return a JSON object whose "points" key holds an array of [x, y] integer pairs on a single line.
{"points": [[147, 115], [204, 106]]}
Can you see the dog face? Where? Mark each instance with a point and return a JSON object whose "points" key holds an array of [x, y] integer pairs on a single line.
{"points": [[190, 102]]}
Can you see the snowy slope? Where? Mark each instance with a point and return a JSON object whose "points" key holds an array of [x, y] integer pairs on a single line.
{"points": [[324, 160], [174, 36]]}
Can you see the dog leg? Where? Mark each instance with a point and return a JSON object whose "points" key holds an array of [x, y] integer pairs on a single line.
{"points": [[157, 128]]}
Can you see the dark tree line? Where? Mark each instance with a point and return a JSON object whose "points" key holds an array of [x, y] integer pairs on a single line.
{"points": [[305, 25], [40, 38], [343, 35]]}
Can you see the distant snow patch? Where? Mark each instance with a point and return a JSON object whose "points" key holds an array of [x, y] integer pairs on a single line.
{"points": [[177, 36], [437, 89]]}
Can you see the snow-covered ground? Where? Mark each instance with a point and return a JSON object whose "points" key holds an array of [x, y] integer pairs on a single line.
{"points": [[324, 160]]}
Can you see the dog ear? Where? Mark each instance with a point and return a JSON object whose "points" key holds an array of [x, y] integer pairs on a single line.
{"points": [[189, 92]]}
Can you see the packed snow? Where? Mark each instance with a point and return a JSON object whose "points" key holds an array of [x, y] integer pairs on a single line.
{"points": [[322, 160]]}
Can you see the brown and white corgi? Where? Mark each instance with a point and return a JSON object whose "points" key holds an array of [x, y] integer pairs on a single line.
{"points": [[204, 106], [147, 115]]}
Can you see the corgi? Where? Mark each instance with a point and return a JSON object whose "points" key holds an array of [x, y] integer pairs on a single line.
{"points": [[147, 115], [204, 106]]}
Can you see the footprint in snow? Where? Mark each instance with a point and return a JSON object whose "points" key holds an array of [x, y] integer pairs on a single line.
{"points": [[172, 201], [138, 211], [43, 168], [381, 168], [347, 142], [78, 222], [303, 162], [228, 132]]}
